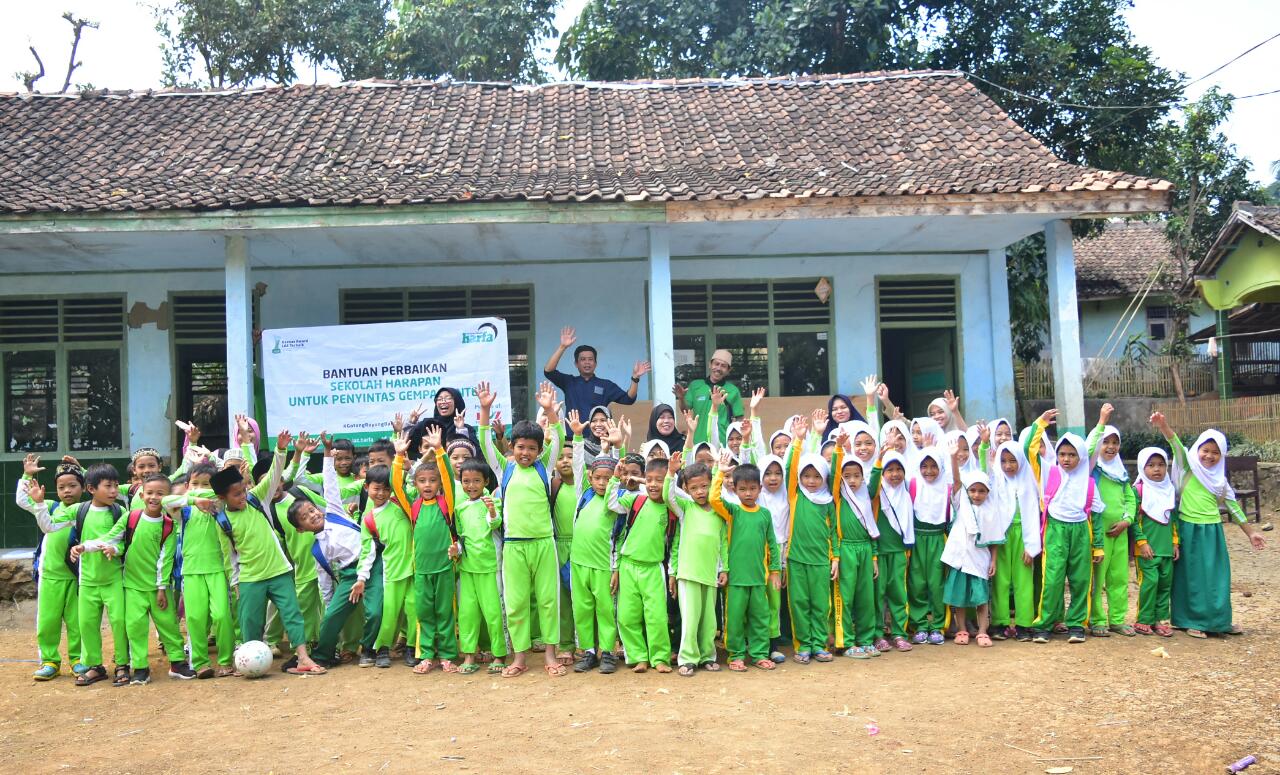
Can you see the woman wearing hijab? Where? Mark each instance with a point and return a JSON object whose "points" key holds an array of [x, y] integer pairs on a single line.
{"points": [[449, 409], [1155, 541], [946, 412], [840, 410], [1202, 575], [662, 427]]}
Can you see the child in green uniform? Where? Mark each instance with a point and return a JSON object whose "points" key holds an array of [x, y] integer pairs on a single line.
{"points": [[591, 557], [479, 521], [265, 571], [306, 581], [931, 509], [530, 568], [1111, 577], [1201, 597], [812, 563], [101, 580], [429, 503], [147, 540], [638, 577], [896, 521], [857, 532], [57, 595], [563, 510], [1017, 496], [1155, 541], [1070, 500], [752, 562], [388, 534], [699, 556]]}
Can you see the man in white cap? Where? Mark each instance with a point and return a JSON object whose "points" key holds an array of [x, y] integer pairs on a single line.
{"points": [[697, 397]]}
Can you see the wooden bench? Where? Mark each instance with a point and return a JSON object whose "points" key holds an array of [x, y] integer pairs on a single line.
{"points": [[1244, 469]]}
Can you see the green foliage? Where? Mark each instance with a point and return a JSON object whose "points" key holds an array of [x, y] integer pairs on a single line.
{"points": [[1028, 297], [476, 40], [1267, 451]]}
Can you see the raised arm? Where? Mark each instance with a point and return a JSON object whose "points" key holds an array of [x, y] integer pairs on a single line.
{"points": [[568, 336], [264, 489]]}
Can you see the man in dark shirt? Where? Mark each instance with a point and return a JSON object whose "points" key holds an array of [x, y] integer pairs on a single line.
{"points": [[587, 391]]}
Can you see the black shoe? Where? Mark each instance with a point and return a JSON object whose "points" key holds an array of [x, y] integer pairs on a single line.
{"points": [[367, 658], [288, 664], [1075, 635], [1040, 636], [587, 662], [327, 664], [141, 676], [410, 658], [1023, 635], [383, 658], [608, 663], [181, 670]]}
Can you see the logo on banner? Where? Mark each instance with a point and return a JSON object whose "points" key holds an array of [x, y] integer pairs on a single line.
{"points": [[487, 332]]}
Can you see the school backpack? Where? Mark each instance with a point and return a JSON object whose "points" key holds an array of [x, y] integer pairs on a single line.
{"points": [[318, 553], [1052, 482], [77, 530], [272, 519]]}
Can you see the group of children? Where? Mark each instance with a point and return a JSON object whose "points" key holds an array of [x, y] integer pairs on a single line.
{"points": [[847, 534]]}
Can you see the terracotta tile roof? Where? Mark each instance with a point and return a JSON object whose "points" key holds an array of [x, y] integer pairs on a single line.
{"points": [[1120, 260], [1263, 218], [415, 142]]}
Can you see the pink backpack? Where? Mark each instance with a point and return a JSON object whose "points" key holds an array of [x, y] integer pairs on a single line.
{"points": [[1052, 482], [911, 489]]}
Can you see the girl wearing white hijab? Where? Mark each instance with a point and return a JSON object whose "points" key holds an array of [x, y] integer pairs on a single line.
{"points": [[773, 496], [970, 553], [857, 532], [924, 433], [862, 440], [896, 522], [1202, 575], [812, 563], [930, 488], [946, 412], [1017, 497], [896, 434], [1111, 576], [1155, 538], [1071, 546]]}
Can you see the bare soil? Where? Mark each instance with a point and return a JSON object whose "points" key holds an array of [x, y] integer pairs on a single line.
{"points": [[938, 709]]}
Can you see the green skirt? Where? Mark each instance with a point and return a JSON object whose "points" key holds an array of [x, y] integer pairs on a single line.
{"points": [[961, 590], [1202, 579]]}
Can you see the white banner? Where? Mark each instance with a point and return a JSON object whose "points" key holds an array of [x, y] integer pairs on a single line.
{"points": [[351, 380]]}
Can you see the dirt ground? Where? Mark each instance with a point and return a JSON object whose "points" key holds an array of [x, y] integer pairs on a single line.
{"points": [[938, 709]]}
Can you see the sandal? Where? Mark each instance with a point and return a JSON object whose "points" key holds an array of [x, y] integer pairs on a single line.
{"points": [[424, 667], [468, 668], [765, 664], [313, 670], [564, 657], [511, 671], [1164, 630], [1197, 634], [962, 638], [497, 666], [122, 676], [1143, 629], [984, 640], [1124, 629], [802, 657], [556, 670], [686, 671], [1099, 632], [92, 676], [737, 666], [224, 671], [447, 666]]}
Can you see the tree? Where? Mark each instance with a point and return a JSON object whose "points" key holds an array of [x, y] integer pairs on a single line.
{"points": [[1271, 194], [78, 26], [475, 40]]}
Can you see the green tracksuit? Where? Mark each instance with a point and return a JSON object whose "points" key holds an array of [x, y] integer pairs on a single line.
{"points": [[305, 581], [479, 603], [530, 568], [1155, 576], [699, 550], [1013, 573], [206, 599], [893, 557], [1111, 576], [856, 590], [434, 634], [565, 506], [57, 593], [642, 587], [395, 536], [148, 570], [751, 556], [591, 555], [810, 551], [101, 585]]}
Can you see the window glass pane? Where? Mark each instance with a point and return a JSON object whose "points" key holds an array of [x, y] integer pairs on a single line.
{"points": [[804, 367], [690, 346], [30, 389], [518, 365], [750, 359], [93, 387]]}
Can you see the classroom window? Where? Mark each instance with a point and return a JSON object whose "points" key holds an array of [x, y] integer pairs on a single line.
{"points": [[514, 304], [61, 363], [779, 333], [1159, 323]]}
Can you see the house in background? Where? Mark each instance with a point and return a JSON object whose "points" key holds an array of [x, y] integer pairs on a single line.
{"points": [[822, 228], [1125, 278], [1239, 278]]}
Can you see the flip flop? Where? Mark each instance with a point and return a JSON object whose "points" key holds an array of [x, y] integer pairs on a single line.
{"points": [[447, 666], [555, 671], [424, 667], [1196, 634], [313, 670], [765, 664], [496, 666], [711, 667], [737, 666], [468, 668], [511, 671], [686, 671]]}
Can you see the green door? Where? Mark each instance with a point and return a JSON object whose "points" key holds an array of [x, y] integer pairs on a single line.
{"points": [[929, 365]]}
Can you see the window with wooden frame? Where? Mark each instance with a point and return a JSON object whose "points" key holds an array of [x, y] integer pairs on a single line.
{"points": [[514, 304], [779, 332], [61, 367]]}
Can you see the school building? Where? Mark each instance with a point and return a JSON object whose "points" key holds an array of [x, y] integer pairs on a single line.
{"points": [[821, 228]]}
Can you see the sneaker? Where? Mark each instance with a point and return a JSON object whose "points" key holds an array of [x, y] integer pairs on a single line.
{"points": [[79, 669], [382, 658], [881, 644], [141, 676], [1022, 634], [936, 638], [1040, 636], [1075, 635], [900, 643], [608, 663], [181, 670], [920, 638], [1001, 633], [777, 656], [857, 652], [588, 661], [367, 658], [47, 672], [410, 657]]}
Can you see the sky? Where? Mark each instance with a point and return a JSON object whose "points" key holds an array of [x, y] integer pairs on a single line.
{"points": [[1190, 36]]}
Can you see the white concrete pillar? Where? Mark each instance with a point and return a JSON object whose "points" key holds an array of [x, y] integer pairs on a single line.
{"points": [[1064, 328], [661, 327], [1001, 336], [239, 329], [150, 394]]}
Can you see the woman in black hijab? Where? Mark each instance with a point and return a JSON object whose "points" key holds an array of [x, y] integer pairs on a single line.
{"points": [[449, 406], [662, 427]]}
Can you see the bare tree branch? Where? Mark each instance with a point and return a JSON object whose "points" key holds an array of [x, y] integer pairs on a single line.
{"points": [[29, 79], [78, 26]]}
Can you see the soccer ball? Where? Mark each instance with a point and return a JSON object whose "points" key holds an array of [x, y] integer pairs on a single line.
{"points": [[253, 659]]}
